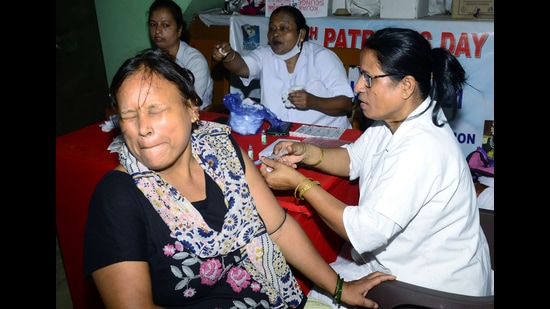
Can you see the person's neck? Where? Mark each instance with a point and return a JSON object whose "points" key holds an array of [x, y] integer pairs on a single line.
{"points": [[291, 63], [405, 115], [173, 51]]}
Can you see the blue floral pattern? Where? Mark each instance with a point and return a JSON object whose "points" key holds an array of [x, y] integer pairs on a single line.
{"points": [[263, 267]]}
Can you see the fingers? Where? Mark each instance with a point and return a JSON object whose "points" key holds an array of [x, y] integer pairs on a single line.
{"points": [[359, 288], [375, 278], [274, 163], [299, 99], [378, 275], [220, 50], [369, 303]]}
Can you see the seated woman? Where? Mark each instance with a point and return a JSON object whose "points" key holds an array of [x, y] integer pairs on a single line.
{"points": [[166, 31]]}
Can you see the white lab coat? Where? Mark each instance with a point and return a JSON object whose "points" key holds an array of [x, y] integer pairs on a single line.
{"points": [[417, 183], [318, 70], [192, 59]]}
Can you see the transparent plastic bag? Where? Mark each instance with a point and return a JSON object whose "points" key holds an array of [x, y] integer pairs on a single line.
{"points": [[246, 116]]}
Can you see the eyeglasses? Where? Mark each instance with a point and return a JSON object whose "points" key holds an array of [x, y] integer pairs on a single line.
{"points": [[368, 79]]}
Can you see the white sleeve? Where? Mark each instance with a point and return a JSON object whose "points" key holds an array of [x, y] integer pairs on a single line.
{"points": [[333, 76], [203, 81], [253, 60], [193, 60], [378, 228]]}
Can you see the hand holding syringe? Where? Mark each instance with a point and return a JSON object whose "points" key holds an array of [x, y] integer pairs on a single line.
{"points": [[272, 157]]}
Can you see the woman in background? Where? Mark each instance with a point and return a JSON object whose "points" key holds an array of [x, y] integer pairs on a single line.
{"points": [[166, 31], [300, 81]]}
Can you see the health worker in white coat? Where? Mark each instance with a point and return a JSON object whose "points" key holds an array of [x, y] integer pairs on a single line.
{"points": [[417, 215], [300, 81]]}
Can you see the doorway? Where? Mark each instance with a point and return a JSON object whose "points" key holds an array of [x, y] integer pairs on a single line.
{"points": [[81, 80]]}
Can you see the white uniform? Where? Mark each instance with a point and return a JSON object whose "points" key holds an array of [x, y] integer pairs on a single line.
{"points": [[318, 70], [486, 198], [417, 211], [192, 59]]}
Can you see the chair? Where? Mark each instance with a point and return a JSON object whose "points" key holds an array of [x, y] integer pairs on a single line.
{"points": [[401, 295]]}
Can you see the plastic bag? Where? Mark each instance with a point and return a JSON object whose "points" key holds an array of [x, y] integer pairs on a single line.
{"points": [[252, 7], [246, 116], [363, 7], [480, 164]]}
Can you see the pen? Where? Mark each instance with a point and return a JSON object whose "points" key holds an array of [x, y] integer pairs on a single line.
{"points": [[273, 156]]}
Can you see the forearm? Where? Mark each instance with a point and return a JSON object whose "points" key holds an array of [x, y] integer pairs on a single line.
{"points": [[300, 252], [333, 161], [329, 208], [230, 59], [235, 64], [335, 106]]}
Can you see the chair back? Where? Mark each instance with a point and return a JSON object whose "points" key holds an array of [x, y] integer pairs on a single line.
{"points": [[487, 221], [401, 295]]}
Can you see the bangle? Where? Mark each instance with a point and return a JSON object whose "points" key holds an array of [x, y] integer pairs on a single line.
{"points": [[281, 225], [234, 54], [307, 187], [296, 190], [320, 158], [338, 291]]}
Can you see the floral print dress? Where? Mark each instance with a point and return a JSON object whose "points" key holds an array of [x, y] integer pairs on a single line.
{"points": [[181, 278]]}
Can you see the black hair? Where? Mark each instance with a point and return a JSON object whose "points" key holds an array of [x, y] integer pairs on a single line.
{"points": [[437, 72], [176, 12], [156, 62], [298, 17]]}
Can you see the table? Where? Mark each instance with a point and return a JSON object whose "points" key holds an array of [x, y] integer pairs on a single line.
{"points": [[82, 159]]}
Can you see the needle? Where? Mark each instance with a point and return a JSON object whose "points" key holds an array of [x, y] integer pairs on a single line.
{"points": [[273, 156]]}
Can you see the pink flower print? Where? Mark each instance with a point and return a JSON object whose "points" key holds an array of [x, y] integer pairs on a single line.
{"points": [[169, 250], [238, 278], [179, 246], [210, 271], [255, 286], [189, 292]]}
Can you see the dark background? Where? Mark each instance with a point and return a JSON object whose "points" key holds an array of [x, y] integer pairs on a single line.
{"points": [[81, 91]]}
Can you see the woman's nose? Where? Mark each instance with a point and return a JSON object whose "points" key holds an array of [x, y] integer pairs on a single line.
{"points": [[359, 85], [144, 127]]}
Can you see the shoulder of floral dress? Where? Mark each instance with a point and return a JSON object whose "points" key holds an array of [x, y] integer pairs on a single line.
{"points": [[206, 127]]}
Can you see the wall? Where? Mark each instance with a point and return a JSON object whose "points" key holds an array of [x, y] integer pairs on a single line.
{"points": [[123, 27]]}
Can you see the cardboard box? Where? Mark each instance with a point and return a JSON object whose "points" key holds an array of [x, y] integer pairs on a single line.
{"points": [[310, 8], [404, 8], [473, 9]]}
